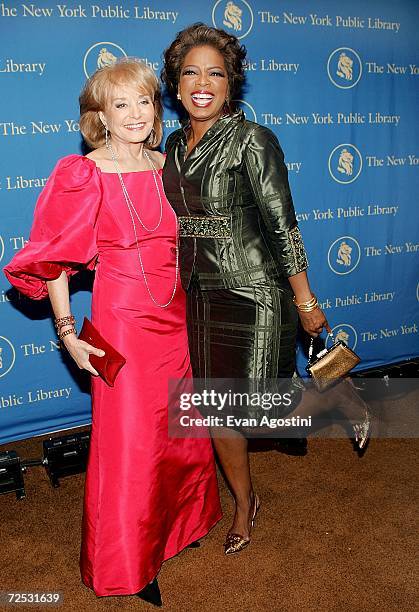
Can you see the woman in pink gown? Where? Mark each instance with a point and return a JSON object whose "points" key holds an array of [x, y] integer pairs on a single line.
{"points": [[148, 495]]}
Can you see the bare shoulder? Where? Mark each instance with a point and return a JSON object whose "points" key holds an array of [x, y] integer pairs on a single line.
{"points": [[101, 158], [98, 154], [158, 158]]}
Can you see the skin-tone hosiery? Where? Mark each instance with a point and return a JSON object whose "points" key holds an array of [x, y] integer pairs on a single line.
{"points": [[231, 445]]}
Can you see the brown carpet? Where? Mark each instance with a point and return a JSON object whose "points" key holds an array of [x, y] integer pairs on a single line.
{"points": [[334, 533]]}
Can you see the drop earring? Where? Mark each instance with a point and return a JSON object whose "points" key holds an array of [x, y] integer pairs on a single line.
{"points": [[178, 96], [151, 139], [106, 137]]}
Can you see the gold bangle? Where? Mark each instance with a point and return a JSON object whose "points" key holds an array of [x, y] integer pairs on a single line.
{"points": [[309, 309], [72, 330], [307, 304]]}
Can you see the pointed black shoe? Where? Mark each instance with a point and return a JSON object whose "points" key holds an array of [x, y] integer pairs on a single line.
{"points": [[195, 544], [151, 594]]}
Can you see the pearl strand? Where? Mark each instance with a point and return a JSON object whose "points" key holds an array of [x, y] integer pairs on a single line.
{"points": [[131, 208]]}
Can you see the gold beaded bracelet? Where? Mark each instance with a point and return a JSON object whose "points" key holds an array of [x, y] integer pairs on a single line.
{"points": [[63, 321], [67, 332]]}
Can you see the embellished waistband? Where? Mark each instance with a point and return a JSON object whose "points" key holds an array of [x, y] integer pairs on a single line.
{"points": [[204, 227]]}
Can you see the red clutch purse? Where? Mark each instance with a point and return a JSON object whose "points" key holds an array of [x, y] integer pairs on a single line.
{"points": [[107, 366]]}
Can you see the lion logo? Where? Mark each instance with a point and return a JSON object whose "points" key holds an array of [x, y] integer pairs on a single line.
{"points": [[346, 162], [233, 16], [7, 356], [345, 64], [344, 67], [344, 254], [101, 54], [345, 333], [343, 336], [105, 58]]}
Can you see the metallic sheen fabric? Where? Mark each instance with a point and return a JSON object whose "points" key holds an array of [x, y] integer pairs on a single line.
{"points": [[241, 320], [237, 172], [246, 332], [134, 517]]}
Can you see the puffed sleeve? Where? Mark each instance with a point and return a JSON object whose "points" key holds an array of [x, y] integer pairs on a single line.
{"points": [[268, 175], [64, 230]]}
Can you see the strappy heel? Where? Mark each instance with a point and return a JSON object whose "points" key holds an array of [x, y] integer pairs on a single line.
{"points": [[362, 430]]}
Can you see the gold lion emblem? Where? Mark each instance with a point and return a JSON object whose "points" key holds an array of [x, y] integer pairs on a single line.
{"points": [[233, 17], [344, 255], [342, 335], [105, 58], [345, 64], [346, 162]]}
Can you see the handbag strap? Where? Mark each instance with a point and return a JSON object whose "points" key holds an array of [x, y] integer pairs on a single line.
{"points": [[311, 347]]}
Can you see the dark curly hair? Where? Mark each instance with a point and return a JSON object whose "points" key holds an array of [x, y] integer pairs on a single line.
{"points": [[198, 35]]}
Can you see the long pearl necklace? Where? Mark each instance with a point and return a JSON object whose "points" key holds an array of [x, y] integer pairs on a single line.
{"points": [[132, 211]]}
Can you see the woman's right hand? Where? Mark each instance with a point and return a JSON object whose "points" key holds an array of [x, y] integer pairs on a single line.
{"points": [[80, 351], [313, 322]]}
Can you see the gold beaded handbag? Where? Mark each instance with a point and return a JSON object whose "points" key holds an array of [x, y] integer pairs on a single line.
{"points": [[331, 364]]}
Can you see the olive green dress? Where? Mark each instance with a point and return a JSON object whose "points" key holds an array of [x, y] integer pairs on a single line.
{"points": [[239, 243]]}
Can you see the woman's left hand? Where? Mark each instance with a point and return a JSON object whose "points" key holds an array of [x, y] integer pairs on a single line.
{"points": [[313, 322]]}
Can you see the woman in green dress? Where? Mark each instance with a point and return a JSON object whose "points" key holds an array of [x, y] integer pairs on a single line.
{"points": [[242, 256]]}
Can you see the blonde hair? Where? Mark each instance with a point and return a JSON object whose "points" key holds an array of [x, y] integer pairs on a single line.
{"points": [[95, 95]]}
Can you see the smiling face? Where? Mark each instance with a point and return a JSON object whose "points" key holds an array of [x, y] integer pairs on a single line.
{"points": [[128, 115], [203, 84]]}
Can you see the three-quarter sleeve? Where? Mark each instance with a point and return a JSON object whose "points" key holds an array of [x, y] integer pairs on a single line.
{"points": [[64, 230], [268, 175]]}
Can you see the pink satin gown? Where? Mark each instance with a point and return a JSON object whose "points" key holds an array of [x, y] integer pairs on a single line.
{"points": [[147, 495]]}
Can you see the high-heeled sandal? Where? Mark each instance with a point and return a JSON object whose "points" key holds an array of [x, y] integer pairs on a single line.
{"points": [[362, 430], [151, 594], [234, 541]]}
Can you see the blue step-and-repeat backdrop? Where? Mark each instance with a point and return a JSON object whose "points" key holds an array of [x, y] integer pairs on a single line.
{"points": [[337, 82]]}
